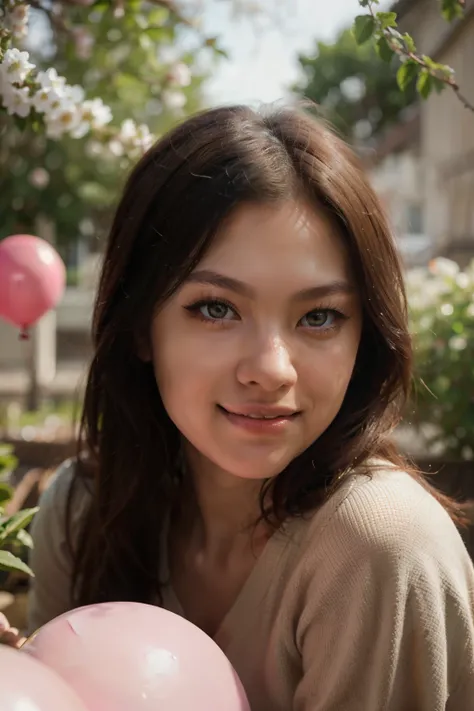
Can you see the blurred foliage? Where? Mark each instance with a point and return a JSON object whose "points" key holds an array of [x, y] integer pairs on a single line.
{"points": [[441, 300], [13, 536], [128, 62], [352, 88]]}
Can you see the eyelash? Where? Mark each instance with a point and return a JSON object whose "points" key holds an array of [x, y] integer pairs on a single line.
{"points": [[195, 307]]}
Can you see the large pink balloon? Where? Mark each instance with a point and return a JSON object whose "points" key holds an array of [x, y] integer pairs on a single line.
{"points": [[28, 685], [32, 279], [131, 657]]}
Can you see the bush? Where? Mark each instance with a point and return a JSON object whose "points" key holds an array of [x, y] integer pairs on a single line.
{"points": [[13, 536], [441, 301]]}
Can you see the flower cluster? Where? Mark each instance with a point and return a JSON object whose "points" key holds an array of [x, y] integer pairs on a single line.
{"points": [[441, 300], [16, 18], [62, 107], [46, 98]]}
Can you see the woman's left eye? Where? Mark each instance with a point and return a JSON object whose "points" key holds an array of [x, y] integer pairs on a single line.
{"points": [[320, 319]]}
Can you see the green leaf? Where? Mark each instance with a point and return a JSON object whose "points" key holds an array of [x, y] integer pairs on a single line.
{"points": [[16, 523], [6, 449], [158, 16], [10, 562], [406, 74], [430, 63], [6, 492], [409, 43], [146, 40], [364, 27], [25, 539], [384, 50], [424, 85], [452, 9], [8, 461], [438, 85], [387, 19], [445, 71]]}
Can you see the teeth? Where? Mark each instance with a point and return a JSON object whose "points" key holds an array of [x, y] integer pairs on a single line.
{"points": [[263, 417]]}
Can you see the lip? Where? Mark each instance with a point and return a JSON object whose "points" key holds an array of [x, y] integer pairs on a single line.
{"points": [[282, 418], [261, 410]]}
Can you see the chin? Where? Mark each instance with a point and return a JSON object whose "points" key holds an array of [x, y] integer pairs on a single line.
{"points": [[257, 468]]}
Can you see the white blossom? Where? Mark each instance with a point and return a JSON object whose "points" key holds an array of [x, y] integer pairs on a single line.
{"points": [[17, 101], [51, 79], [96, 113], [46, 99], [116, 147], [447, 309], [16, 66], [144, 139], [81, 129], [94, 149], [64, 108], [63, 120], [39, 178], [463, 280], [128, 130], [444, 267], [16, 20], [131, 138], [173, 99], [180, 74], [75, 93], [457, 343]]}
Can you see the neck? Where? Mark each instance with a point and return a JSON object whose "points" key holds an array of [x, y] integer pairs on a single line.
{"points": [[220, 508]]}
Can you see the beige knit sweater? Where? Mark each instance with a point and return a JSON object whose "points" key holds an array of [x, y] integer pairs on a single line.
{"points": [[368, 605]]}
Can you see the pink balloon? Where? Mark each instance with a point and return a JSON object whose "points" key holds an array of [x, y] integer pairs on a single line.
{"points": [[28, 685], [125, 656], [32, 279]]}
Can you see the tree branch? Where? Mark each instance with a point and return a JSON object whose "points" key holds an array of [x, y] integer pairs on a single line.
{"points": [[403, 46]]}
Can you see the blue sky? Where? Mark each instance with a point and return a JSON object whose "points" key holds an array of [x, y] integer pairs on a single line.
{"points": [[261, 68]]}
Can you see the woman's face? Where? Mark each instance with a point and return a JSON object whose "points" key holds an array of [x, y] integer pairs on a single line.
{"points": [[253, 354]]}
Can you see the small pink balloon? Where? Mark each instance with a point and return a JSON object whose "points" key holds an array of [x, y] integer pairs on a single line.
{"points": [[32, 279], [125, 656], [28, 685]]}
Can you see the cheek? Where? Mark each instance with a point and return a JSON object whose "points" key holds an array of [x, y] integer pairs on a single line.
{"points": [[329, 371], [183, 365]]}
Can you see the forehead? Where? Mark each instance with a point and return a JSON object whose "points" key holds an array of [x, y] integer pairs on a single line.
{"points": [[279, 240]]}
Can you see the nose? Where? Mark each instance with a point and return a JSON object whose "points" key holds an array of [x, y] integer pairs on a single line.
{"points": [[268, 364]]}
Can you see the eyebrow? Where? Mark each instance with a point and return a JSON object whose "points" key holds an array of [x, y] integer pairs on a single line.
{"points": [[205, 276]]}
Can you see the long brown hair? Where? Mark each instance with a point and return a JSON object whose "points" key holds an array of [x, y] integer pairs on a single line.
{"points": [[173, 203]]}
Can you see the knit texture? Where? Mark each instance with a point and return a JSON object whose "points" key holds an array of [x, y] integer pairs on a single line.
{"points": [[365, 605]]}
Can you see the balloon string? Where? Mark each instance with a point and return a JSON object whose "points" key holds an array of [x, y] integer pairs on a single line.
{"points": [[24, 334]]}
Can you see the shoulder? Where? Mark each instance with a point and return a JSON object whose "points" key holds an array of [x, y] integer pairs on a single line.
{"points": [[382, 574], [54, 499], [389, 518]]}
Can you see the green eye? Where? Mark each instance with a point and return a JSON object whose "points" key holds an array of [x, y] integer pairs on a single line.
{"points": [[320, 318], [216, 310], [213, 310]]}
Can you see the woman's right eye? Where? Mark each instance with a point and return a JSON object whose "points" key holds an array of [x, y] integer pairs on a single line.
{"points": [[213, 310]]}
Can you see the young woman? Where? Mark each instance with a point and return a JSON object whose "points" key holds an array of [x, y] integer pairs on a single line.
{"points": [[251, 360]]}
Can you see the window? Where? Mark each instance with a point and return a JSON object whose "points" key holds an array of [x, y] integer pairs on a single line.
{"points": [[414, 219]]}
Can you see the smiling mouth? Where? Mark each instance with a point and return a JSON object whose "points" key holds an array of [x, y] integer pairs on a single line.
{"points": [[260, 416]]}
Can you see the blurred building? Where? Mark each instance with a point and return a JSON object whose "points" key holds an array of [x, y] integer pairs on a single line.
{"points": [[445, 151], [397, 173]]}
